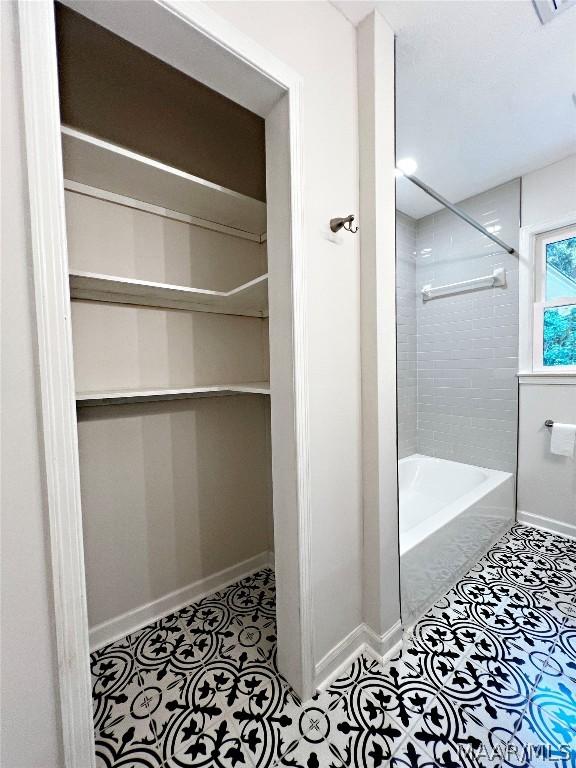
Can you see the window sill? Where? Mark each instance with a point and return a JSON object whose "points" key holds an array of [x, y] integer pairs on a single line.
{"points": [[546, 378]]}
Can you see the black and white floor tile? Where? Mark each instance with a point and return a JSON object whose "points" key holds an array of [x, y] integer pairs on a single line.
{"points": [[486, 679]]}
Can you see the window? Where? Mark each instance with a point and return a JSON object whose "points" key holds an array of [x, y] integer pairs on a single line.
{"points": [[554, 324]]}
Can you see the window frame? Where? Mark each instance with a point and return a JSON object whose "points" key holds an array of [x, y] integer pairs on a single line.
{"points": [[532, 287], [541, 303]]}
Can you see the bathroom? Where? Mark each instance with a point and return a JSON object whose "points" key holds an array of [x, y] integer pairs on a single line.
{"points": [[290, 302], [484, 390]]}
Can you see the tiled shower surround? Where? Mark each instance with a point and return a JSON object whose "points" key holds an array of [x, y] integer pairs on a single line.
{"points": [[406, 333], [465, 351]]}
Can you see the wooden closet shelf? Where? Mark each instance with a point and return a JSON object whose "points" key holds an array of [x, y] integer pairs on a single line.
{"points": [[118, 396], [97, 163], [250, 299]]}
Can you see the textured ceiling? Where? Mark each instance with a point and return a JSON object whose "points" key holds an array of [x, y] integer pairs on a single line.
{"points": [[485, 92]]}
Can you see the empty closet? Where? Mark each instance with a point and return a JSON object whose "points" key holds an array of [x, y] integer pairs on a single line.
{"points": [[166, 235]]}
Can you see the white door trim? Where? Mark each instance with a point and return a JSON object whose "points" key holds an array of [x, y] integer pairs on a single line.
{"points": [[48, 229], [45, 178]]}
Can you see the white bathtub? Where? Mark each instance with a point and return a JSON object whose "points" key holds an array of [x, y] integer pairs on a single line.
{"points": [[450, 514]]}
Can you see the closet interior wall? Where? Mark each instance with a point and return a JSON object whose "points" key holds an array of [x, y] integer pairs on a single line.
{"points": [[174, 491]]}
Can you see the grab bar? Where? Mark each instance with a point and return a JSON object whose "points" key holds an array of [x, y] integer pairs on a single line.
{"points": [[497, 278]]}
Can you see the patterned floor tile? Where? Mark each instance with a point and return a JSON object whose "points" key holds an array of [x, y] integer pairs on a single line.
{"points": [[567, 609], [516, 666], [543, 740], [184, 711], [164, 647], [504, 630], [127, 755], [207, 625], [361, 666], [311, 754], [125, 732], [486, 679], [529, 539], [253, 596], [359, 724], [567, 645], [556, 705], [441, 643], [217, 747], [254, 639], [447, 729], [420, 750], [486, 697], [237, 681], [271, 720], [113, 668], [409, 754], [558, 672], [401, 691]]}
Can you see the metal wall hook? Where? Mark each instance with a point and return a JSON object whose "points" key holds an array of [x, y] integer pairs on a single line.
{"points": [[337, 224]]}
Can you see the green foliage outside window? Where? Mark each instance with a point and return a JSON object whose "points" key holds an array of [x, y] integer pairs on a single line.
{"points": [[560, 335], [562, 256]]}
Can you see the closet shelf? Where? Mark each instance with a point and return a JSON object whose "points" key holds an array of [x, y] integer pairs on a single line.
{"points": [[118, 396], [97, 163], [250, 299]]}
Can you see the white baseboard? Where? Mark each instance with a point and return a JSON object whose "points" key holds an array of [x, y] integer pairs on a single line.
{"points": [[114, 629], [362, 639], [381, 647], [338, 658], [547, 523]]}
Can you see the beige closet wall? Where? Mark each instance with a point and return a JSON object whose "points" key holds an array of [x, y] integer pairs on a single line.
{"points": [[119, 346], [128, 347], [320, 44], [125, 242], [29, 705], [172, 492]]}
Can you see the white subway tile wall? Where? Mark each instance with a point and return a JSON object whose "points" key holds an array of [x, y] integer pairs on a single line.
{"points": [[406, 333], [466, 344]]}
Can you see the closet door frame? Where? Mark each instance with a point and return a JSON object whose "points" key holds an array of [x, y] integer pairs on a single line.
{"points": [[247, 73]]}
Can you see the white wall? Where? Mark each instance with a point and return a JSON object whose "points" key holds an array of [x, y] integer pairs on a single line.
{"points": [[547, 483], [549, 192], [29, 699], [317, 41], [381, 588]]}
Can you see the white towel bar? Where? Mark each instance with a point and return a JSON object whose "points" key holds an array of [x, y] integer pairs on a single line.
{"points": [[497, 278]]}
